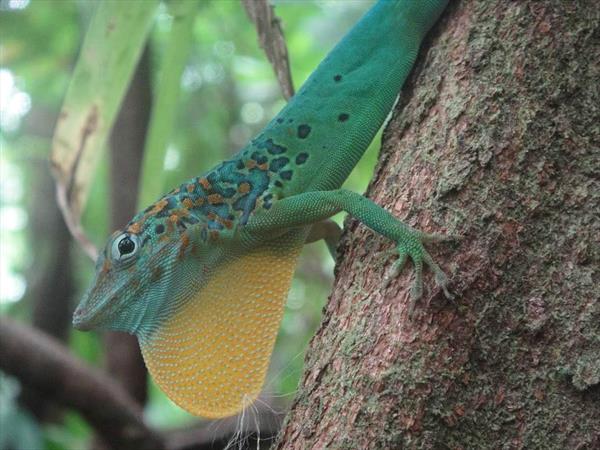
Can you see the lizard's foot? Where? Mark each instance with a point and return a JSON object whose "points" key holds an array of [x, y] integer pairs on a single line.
{"points": [[411, 245]]}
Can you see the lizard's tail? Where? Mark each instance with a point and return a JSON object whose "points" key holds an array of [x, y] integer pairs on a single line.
{"points": [[336, 113]]}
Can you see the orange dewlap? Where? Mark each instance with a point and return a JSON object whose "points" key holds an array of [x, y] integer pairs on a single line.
{"points": [[211, 357]]}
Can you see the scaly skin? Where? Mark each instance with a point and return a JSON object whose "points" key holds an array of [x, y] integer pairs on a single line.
{"points": [[201, 275]]}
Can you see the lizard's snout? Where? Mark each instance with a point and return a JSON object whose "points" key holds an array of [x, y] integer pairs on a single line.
{"points": [[79, 320]]}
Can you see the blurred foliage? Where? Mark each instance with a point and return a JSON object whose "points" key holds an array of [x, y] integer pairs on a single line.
{"points": [[228, 93], [18, 429], [164, 109], [113, 42]]}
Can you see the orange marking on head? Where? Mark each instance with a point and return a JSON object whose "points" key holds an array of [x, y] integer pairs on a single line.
{"points": [[211, 216], [214, 235], [215, 199], [205, 183], [228, 223], [135, 228], [244, 187], [199, 201], [106, 265], [250, 164], [159, 206], [188, 203], [190, 187], [171, 224], [263, 166], [185, 241]]}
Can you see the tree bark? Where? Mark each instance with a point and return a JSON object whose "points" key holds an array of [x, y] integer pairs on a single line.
{"points": [[495, 138]]}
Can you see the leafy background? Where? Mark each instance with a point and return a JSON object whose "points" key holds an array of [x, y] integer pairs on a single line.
{"points": [[228, 92]]}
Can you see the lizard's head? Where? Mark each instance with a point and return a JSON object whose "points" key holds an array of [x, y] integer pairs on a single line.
{"points": [[110, 301], [136, 273]]}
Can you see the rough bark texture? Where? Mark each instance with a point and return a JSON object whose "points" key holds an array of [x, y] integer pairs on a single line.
{"points": [[495, 138]]}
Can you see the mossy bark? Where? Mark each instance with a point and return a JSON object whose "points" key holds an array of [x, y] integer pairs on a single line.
{"points": [[495, 138]]}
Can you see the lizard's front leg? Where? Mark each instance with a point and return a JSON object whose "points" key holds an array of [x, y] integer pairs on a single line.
{"points": [[311, 207]]}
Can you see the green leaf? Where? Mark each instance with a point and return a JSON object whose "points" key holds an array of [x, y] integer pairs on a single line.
{"points": [[111, 49]]}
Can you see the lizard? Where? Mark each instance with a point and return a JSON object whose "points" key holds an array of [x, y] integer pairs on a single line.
{"points": [[202, 275]]}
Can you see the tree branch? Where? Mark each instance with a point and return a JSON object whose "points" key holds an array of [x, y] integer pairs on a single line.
{"points": [[41, 363], [270, 37]]}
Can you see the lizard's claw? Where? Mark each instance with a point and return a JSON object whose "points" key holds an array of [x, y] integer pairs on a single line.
{"points": [[411, 245]]}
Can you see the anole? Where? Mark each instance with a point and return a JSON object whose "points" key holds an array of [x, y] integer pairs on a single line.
{"points": [[202, 275]]}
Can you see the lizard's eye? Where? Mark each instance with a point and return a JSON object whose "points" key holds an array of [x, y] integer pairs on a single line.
{"points": [[124, 247]]}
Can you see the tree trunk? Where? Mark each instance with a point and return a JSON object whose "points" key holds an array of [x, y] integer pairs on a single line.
{"points": [[495, 138]]}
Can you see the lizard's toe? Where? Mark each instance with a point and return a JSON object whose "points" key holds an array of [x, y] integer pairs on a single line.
{"points": [[440, 276], [416, 291], [395, 269], [412, 246]]}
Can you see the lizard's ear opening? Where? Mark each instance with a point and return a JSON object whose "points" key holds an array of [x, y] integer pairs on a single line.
{"points": [[210, 355]]}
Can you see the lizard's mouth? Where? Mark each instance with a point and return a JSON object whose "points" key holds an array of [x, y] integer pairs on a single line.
{"points": [[93, 310], [105, 306], [88, 314]]}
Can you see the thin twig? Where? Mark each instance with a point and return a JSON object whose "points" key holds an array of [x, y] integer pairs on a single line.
{"points": [[270, 37], [73, 223]]}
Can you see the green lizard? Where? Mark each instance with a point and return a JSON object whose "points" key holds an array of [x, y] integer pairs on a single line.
{"points": [[202, 275]]}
